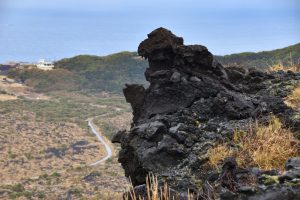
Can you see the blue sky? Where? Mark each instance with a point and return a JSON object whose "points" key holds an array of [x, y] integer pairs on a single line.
{"points": [[54, 29]]}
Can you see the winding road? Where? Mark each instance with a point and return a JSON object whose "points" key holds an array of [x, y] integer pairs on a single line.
{"points": [[100, 138]]}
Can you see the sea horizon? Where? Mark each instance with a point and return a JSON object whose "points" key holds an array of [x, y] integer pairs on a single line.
{"points": [[35, 31]]}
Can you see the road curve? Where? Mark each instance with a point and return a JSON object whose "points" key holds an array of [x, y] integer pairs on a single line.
{"points": [[100, 138]]}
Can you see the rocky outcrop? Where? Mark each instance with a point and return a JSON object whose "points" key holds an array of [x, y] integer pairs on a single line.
{"points": [[192, 103]]}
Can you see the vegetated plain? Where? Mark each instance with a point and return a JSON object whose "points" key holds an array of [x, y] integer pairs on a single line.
{"points": [[46, 146]]}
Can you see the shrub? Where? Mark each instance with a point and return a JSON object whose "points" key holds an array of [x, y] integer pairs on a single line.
{"points": [[55, 175], [17, 188], [76, 191], [3, 92], [266, 147]]}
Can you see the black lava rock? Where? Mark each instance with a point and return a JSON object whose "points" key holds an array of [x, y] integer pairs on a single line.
{"points": [[192, 103]]}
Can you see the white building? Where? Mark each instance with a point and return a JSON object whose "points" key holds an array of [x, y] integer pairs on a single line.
{"points": [[44, 65]]}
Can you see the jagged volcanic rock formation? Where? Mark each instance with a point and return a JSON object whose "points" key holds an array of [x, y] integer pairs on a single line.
{"points": [[192, 103]]}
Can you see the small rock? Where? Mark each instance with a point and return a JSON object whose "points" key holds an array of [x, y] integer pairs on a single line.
{"points": [[292, 163], [247, 190], [226, 194], [174, 129], [175, 77], [195, 79], [296, 180], [256, 171], [290, 175], [184, 80]]}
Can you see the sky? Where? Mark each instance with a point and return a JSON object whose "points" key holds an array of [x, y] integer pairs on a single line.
{"points": [[55, 29]]}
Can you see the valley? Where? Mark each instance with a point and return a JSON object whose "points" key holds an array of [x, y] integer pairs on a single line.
{"points": [[47, 146]]}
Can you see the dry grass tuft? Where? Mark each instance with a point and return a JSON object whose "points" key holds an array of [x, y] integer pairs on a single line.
{"points": [[281, 67], [267, 147], [154, 191], [277, 67], [293, 100], [218, 154]]}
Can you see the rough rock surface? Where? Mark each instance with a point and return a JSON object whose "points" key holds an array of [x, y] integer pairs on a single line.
{"points": [[192, 103]]}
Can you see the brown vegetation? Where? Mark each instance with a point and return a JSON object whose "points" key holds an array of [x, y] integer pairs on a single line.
{"points": [[46, 149], [264, 146], [31, 147], [154, 191], [294, 67], [293, 100]]}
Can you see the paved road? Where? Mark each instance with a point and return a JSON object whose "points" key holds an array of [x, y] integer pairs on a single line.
{"points": [[100, 138]]}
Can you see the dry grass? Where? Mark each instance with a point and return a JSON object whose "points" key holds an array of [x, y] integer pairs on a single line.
{"points": [[267, 147], [293, 100], [31, 147], [46, 147], [280, 67], [154, 191], [218, 154]]}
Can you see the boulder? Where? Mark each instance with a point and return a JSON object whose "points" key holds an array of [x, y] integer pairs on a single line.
{"points": [[192, 103]]}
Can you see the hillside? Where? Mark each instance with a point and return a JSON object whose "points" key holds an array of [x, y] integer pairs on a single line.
{"points": [[110, 73], [263, 59], [86, 72], [46, 81], [107, 73]]}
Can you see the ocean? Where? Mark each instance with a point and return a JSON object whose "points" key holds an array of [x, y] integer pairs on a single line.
{"points": [[30, 35]]}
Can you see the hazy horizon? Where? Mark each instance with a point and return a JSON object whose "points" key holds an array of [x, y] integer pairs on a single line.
{"points": [[31, 29]]}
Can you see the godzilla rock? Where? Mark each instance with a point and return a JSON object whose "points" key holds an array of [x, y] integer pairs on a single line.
{"points": [[192, 103], [160, 48]]}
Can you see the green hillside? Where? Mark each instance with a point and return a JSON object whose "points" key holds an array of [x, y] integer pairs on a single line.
{"points": [[264, 59], [108, 73], [86, 72], [46, 81]]}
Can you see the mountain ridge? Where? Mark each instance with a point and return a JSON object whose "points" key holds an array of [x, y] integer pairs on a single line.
{"points": [[109, 73], [263, 59]]}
